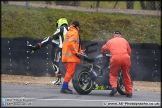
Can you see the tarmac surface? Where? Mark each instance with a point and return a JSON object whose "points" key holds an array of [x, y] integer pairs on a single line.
{"points": [[34, 95]]}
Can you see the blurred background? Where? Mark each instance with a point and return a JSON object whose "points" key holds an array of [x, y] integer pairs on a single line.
{"points": [[138, 21]]}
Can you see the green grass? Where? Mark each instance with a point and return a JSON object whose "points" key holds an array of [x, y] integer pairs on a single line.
{"points": [[17, 21]]}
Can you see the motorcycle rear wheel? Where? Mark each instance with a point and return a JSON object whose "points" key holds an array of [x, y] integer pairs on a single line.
{"points": [[82, 82]]}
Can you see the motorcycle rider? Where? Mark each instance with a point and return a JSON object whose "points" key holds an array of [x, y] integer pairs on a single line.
{"points": [[62, 28], [120, 51]]}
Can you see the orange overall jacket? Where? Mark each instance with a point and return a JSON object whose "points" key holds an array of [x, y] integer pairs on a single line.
{"points": [[120, 59], [71, 46], [117, 45]]}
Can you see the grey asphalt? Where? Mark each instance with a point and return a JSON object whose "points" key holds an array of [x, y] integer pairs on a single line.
{"points": [[50, 96]]}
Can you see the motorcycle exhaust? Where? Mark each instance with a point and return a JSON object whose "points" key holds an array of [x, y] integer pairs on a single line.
{"points": [[93, 75]]}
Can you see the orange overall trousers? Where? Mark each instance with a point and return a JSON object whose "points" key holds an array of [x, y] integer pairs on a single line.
{"points": [[70, 69], [120, 61]]}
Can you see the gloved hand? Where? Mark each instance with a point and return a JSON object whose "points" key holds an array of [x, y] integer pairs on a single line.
{"points": [[30, 47], [84, 57], [83, 52], [104, 54], [32, 51], [81, 55]]}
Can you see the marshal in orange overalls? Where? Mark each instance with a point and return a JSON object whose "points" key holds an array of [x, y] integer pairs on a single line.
{"points": [[71, 46], [120, 51]]}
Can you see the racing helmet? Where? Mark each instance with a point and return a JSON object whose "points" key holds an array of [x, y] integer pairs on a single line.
{"points": [[61, 21]]}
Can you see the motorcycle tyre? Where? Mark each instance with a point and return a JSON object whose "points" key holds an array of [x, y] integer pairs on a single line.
{"points": [[119, 82], [76, 84]]}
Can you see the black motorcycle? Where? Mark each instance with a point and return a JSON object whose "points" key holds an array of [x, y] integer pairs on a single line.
{"points": [[93, 74]]}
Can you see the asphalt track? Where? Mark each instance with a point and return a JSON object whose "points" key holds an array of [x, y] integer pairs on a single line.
{"points": [[31, 95]]}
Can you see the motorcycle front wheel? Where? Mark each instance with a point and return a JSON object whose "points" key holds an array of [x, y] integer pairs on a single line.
{"points": [[120, 84], [82, 82]]}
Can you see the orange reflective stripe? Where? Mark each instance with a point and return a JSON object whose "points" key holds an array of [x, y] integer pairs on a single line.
{"points": [[66, 40], [72, 38], [67, 54], [72, 48], [77, 42], [66, 37]]}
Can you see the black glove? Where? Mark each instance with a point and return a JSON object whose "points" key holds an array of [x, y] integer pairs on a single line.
{"points": [[77, 55]]}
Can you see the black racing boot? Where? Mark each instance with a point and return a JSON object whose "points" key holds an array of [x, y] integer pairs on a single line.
{"points": [[129, 95], [69, 89], [66, 91], [57, 81], [113, 91], [57, 74]]}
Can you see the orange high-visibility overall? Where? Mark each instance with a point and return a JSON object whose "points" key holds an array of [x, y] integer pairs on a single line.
{"points": [[120, 59], [69, 50]]}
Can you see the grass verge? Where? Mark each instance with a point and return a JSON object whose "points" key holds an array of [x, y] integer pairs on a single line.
{"points": [[17, 21]]}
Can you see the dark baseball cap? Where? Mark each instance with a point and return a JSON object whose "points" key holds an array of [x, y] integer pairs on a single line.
{"points": [[117, 32], [76, 23]]}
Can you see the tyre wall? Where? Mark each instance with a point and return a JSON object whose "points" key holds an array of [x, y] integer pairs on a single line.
{"points": [[17, 60]]}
